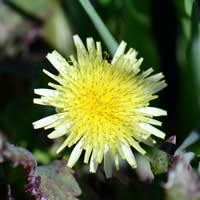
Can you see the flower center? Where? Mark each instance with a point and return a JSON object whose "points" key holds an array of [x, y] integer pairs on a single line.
{"points": [[100, 105], [100, 101]]}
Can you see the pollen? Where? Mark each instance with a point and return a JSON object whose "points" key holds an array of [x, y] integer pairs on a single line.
{"points": [[102, 107]]}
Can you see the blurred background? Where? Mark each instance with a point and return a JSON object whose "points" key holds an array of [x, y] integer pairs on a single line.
{"points": [[165, 33]]}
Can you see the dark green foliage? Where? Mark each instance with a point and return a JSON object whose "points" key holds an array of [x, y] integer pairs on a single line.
{"points": [[26, 180]]}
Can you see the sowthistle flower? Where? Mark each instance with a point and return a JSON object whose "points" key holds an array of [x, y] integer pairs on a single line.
{"points": [[102, 107]]}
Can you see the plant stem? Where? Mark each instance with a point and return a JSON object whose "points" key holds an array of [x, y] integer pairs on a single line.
{"points": [[100, 26]]}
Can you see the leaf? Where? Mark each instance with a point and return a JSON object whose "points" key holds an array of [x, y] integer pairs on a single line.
{"points": [[188, 6], [11, 36], [184, 8], [57, 181], [198, 169], [57, 32], [37, 8], [183, 181], [160, 162], [19, 156], [136, 15], [144, 169], [52, 181], [188, 58]]}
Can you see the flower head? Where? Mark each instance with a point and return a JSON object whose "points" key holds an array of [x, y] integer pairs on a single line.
{"points": [[102, 107]]}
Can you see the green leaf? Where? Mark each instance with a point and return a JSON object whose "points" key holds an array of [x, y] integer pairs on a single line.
{"points": [[184, 10], [42, 156], [144, 169], [57, 181], [57, 32], [160, 162], [136, 15], [52, 181], [184, 7], [198, 169], [188, 58], [37, 8], [10, 21], [188, 6]]}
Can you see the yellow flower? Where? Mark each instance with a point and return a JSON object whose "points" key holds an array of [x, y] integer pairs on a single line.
{"points": [[102, 107]]}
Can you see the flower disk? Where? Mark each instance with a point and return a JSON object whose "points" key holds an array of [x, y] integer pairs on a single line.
{"points": [[102, 107]]}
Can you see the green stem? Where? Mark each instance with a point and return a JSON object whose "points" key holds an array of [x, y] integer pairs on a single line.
{"points": [[100, 26]]}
